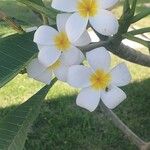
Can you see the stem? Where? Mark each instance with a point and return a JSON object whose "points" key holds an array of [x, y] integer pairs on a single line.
{"points": [[119, 124], [140, 31], [133, 6], [11, 23], [141, 15], [126, 6], [45, 20], [138, 40]]}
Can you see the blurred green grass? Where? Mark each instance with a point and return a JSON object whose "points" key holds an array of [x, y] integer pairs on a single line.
{"points": [[61, 124]]}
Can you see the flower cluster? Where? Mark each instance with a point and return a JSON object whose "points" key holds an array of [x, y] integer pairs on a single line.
{"points": [[59, 53]]}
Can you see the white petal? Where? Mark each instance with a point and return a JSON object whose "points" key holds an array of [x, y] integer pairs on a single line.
{"points": [[34, 68], [120, 75], [44, 35], [40, 46], [79, 76], [83, 40], [72, 56], [48, 55], [82, 57], [38, 72], [45, 77], [75, 26], [65, 6], [113, 97], [105, 23], [61, 21], [105, 4], [61, 72], [88, 99], [99, 58]]}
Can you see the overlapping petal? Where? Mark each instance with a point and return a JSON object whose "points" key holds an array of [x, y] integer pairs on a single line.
{"points": [[106, 4], [48, 55], [113, 97], [81, 59], [78, 76], [75, 26], [72, 56], [39, 72], [44, 35], [120, 75], [88, 99], [105, 23], [61, 72], [99, 58], [61, 20], [65, 6], [83, 40]]}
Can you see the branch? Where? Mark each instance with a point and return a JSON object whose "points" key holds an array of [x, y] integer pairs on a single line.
{"points": [[119, 124], [132, 55], [122, 51]]}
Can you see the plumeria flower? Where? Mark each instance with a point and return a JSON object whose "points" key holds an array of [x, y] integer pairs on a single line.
{"points": [[45, 74], [52, 43], [94, 11], [98, 81]]}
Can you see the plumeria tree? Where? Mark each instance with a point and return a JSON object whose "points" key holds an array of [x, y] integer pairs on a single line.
{"points": [[61, 49]]}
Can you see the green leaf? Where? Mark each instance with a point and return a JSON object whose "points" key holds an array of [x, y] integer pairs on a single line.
{"points": [[39, 2], [16, 51], [14, 127], [50, 12]]}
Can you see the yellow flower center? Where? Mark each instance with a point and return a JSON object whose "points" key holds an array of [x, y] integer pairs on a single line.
{"points": [[61, 41], [87, 8], [100, 80], [55, 66]]}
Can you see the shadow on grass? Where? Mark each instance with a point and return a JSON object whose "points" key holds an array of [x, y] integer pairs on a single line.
{"points": [[64, 126]]}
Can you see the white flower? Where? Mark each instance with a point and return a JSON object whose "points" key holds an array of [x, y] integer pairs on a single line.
{"points": [[52, 44], [94, 11], [45, 74], [98, 81]]}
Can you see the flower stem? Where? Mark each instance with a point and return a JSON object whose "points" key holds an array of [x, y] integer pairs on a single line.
{"points": [[45, 20], [140, 31], [141, 15], [136, 39], [133, 6], [120, 125], [11, 22], [126, 6]]}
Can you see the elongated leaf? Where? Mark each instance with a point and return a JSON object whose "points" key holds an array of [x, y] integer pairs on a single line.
{"points": [[39, 2], [14, 127], [15, 53], [50, 12]]}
